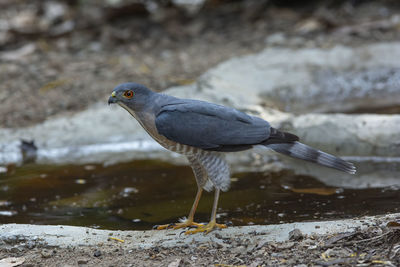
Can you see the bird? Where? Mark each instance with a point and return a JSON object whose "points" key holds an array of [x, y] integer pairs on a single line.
{"points": [[204, 132]]}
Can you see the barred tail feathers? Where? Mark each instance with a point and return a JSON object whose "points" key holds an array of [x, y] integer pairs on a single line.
{"points": [[304, 152]]}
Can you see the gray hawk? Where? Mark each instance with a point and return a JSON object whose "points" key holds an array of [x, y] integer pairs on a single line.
{"points": [[204, 132]]}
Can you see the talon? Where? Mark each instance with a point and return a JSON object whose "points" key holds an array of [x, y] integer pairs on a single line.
{"points": [[181, 233], [175, 226], [206, 228], [161, 227]]}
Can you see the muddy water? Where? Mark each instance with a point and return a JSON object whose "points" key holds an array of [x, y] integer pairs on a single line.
{"points": [[140, 194]]}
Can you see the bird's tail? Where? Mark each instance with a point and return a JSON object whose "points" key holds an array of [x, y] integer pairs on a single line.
{"points": [[287, 143], [304, 152]]}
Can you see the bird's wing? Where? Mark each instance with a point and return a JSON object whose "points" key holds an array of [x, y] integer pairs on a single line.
{"points": [[210, 126]]}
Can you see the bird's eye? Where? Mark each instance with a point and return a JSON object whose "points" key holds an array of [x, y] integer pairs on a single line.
{"points": [[128, 94]]}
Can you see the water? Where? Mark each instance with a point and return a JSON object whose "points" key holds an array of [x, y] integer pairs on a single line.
{"points": [[140, 194]]}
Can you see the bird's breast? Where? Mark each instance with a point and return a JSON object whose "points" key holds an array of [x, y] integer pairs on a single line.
{"points": [[147, 121]]}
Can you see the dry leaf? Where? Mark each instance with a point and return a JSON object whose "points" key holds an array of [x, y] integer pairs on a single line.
{"points": [[323, 191], [393, 224]]}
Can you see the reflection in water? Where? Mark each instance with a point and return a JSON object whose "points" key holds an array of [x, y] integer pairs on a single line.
{"points": [[140, 194]]}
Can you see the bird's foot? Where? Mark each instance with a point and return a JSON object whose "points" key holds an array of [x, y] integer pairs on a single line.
{"points": [[187, 223], [206, 228]]}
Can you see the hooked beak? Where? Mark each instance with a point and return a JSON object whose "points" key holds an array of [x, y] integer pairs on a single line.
{"points": [[112, 99]]}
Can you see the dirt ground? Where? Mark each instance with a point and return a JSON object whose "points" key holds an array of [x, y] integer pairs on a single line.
{"points": [[60, 57], [374, 246]]}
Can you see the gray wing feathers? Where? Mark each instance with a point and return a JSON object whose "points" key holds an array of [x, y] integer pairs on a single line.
{"points": [[214, 127], [302, 151], [210, 126]]}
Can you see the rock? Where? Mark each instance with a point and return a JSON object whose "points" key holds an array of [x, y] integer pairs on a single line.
{"points": [[55, 11], [175, 263], [349, 135], [12, 261], [240, 250], [52, 236], [268, 84], [18, 54], [83, 261], [190, 6], [295, 80], [309, 25], [5, 37], [97, 253], [28, 151], [295, 235], [276, 39], [45, 253]]}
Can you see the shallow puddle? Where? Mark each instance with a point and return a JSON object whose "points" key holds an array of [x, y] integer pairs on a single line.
{"points": [[140, 194]]}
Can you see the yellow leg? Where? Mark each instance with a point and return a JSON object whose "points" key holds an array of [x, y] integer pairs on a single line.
{"points": [[189, 222], [213, 222]]}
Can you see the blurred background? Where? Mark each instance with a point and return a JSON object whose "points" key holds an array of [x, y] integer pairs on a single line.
{"points": [[327, 70], [53, 53]]}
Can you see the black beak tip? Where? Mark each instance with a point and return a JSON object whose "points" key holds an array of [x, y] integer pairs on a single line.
{"points": [[111, 100]]}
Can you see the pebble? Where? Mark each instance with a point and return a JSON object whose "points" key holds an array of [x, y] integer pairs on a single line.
{"points": [[45, 253], [97, 253], [240, 250], [83, 261], [295, 235]]}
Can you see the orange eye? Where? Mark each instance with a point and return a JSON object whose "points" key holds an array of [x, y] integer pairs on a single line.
{"points": [[128, 94]]}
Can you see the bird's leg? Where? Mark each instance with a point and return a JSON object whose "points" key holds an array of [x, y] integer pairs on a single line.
{"points": [[189, 221], [213, 222]]}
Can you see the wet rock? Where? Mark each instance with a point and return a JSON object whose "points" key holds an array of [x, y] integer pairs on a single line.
{"points": [[28, 151]]}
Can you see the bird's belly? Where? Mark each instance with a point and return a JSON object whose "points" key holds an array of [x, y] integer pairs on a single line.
{"points": [[171, 145], [177, 147], [146, 120]]}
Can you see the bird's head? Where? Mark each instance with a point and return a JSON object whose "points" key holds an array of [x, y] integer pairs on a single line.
{"points": [[131, 96]]}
